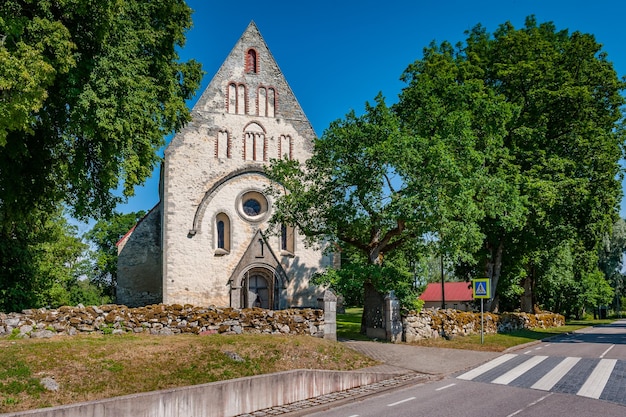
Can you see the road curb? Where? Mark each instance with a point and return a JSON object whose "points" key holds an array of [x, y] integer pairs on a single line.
{"points": [[337, 399]]}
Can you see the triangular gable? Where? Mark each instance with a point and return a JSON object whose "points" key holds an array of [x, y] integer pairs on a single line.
{"points": [[213, 98], [259, 253]]}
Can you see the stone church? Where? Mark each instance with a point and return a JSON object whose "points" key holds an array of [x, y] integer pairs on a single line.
{"points": [[208, 241]]}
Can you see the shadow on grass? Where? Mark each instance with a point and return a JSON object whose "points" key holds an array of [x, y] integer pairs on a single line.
{"points": [[349, 325]]}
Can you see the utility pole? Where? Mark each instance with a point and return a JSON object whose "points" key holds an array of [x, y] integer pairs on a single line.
{"points": [[443, 291]]}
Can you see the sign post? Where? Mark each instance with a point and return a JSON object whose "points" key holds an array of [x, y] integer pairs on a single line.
{"points": [[481, 288]]}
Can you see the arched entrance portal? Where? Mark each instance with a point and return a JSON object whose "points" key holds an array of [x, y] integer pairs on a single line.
{"points": [[258, 286]]}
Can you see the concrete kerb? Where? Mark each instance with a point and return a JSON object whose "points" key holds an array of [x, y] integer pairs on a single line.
{"points": [[224, 398], [323, 403]]}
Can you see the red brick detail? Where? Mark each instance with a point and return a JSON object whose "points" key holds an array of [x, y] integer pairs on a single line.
{"points": [[252, 61]]}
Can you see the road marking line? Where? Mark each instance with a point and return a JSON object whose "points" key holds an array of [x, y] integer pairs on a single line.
{"points": [[596, 382], [529, 405], [486, 367], [400, 402], [519, 370], [550, 379], [607, 351], [447, 386]]}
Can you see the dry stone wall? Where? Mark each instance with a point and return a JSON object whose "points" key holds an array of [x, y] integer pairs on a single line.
{"points": [[160, 319], [432, 323]]}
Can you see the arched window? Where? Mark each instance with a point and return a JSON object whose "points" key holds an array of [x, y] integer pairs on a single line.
{"points": [[284, 147], [271, 102], [222, 234], [231, 98], [236, 99], [222, 144], [252, 63], [287, 240], [241, 99], [254, 143]]}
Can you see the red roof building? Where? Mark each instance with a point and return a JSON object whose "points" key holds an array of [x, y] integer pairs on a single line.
{"points": [[458, 295]]}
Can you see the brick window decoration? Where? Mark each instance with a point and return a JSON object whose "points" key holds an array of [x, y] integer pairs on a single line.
{"points": [[254, 145], [285, 147], [266, 101], [222, 145], [236, 99], [252, 61]]}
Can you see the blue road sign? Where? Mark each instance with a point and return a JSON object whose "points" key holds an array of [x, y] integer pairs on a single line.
{"points": [[481, 288]]}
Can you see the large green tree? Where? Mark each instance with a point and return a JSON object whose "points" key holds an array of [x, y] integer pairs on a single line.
{"points": [[89, 89], [385, 190], [557, 177]]}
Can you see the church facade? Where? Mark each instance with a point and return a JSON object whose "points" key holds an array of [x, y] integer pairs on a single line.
{"points": [[208, 241]]}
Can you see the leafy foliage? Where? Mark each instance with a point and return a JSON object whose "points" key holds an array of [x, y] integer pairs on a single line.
{"points": [[503, 153], [549, 159], [89, 91], [104, 235], [46, 265]]}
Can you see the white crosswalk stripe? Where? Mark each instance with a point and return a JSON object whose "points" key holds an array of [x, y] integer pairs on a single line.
{"points": [[591, 377], [596, 382], [486, 367], [519, 370], [550, 379]]}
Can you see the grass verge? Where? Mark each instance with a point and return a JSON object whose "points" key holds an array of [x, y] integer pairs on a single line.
{"points": [[102, 366]]}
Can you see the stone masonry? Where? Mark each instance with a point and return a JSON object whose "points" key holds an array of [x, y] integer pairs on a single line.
{"points": [[159, 319]]}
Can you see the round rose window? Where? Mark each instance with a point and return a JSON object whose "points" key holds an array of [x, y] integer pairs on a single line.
{"points": [[253, 206]]}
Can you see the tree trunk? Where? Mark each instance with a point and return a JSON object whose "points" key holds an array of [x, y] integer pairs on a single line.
{"points": [[373, 303], [527, 298], [493, 268]]}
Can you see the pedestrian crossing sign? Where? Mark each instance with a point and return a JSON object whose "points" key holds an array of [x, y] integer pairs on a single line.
{"points": [[481, 288]]}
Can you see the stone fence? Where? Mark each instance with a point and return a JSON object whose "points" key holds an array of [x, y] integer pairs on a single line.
{"points": [[432, 323], [163, 319]]}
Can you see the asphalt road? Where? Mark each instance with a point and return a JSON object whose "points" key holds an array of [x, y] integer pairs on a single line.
{"points": [[581, 374]]}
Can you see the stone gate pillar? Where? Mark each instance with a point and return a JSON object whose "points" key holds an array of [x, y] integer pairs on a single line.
{"points": [[328, 303], [393, 321]]}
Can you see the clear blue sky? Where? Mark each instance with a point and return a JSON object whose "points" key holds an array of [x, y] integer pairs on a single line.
{"points": [[320, 45]]}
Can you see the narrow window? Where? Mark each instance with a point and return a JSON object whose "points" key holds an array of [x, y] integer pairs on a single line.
{"points": [[262, 101], [231, 99], [222, 234], [284, 151], [271, 102], [287, 240], [223, 145], [251, 62], [241, 99]]}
